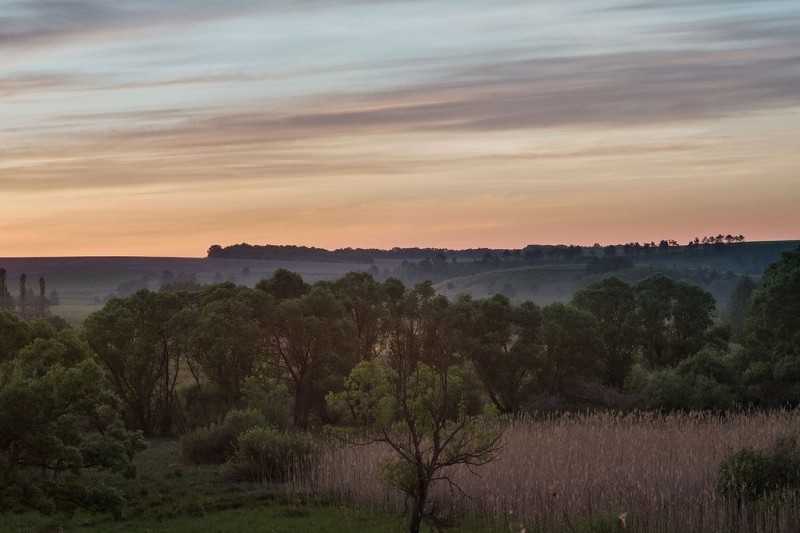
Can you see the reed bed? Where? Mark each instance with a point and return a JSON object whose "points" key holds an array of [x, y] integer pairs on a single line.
{"points": [[641, 472]]}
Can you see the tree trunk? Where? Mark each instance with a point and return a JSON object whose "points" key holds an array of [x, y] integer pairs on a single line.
{"points": [[419, 506]]}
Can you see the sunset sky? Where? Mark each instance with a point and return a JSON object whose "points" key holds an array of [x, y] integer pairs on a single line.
{"points": [[150, 127]]}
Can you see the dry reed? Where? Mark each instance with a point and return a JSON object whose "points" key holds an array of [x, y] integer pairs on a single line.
{"points": [[556, 474]]}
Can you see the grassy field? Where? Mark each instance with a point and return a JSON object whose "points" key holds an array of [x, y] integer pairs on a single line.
{"points": [[584, 472], [169, 495]]}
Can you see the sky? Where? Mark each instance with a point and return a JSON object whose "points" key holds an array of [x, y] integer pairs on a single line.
{"points": [[157, 128]]}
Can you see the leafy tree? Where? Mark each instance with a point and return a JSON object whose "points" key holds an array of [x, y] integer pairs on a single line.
{"points": [[69, 423], [6, 300], [654, 305], [415, 398], [503, 343], [14, 334], [570, 337], [738, 306], [141, 342], [613, 303], [226, 341], [705, 380], [363, 300], [283, 285], [692, 310], [772, 333], [676, 319], [312, 344]]}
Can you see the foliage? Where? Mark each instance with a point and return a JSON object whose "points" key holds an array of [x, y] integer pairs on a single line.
{"points": [[270, 397], [283, 285], [267, 454], [772, 334], [675, 317], [571, 340], [216, 443], [613, 303], [752, 474], [414, 400], [502, 342], [58, 418], [737, 307], [141, 343], [705, 380], [363, 300], [311, 342], [225, 340]]}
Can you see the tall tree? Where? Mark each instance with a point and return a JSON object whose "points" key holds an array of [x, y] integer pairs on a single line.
{"points": [[772, 334], [415, 398], [737, 307], [312, 342], [226, 341], [283, 285], [58, 419], [23, 296], [613, 303], [6, 300], [364, 301], [503, 343], [570, 337], [141, 342], [41, 300]]}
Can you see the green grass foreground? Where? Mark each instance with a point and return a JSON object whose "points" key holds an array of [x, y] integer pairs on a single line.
{"points": [[171, 496]]}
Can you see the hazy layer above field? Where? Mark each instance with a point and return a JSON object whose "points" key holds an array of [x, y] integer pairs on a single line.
{"points": [[84, 283]]}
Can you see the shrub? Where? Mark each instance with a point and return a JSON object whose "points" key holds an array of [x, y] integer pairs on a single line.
{"points": [[752, 474], [272, 399], [216, 443], [268, 454]]}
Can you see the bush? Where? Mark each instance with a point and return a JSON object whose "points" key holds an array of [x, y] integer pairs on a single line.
{"points": [[753, 474], [201, 406], [272, 399], [216, 443], [270, 455], [705, 380]]}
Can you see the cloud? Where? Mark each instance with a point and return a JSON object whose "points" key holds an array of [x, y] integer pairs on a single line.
{"points": [[29, 23], [35, 82], [601, 91]]}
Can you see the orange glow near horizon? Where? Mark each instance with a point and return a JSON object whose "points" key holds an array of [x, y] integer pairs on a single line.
{"points": [[485, 130]]}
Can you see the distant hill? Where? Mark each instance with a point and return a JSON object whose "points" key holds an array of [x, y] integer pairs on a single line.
{"points": [[542, 273], [716, 268], [740, 257]]}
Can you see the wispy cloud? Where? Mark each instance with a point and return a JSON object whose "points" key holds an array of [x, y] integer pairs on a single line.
{"points": [[394, 103]]}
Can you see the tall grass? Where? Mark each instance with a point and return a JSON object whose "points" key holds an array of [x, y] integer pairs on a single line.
{"points": [[565, 472]]}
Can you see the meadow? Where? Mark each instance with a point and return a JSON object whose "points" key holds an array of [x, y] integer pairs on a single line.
{"points": [[592, 472]]}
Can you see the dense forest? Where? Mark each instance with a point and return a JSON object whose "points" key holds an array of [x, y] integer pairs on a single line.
{"points": [[236, 370]]}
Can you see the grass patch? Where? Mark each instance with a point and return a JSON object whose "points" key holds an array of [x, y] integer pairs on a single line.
{"points": [[168, 494]]}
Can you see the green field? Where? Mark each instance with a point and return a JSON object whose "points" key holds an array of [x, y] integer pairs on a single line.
{"points": [[170, 495]]}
